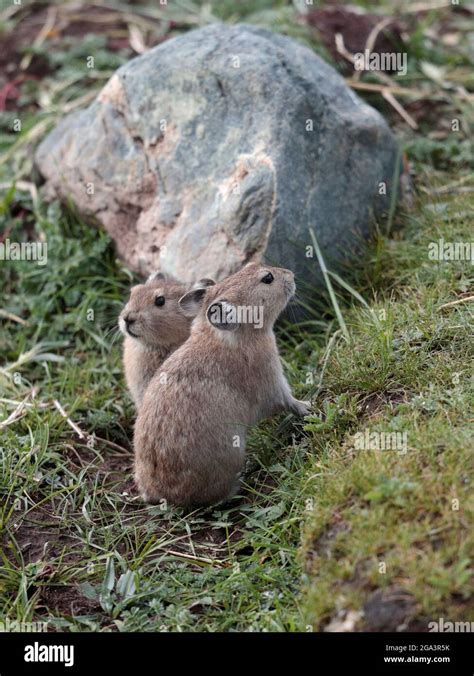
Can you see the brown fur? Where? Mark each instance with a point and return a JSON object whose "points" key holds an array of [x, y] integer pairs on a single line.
{"points": [[158, 330], [191, 429]]}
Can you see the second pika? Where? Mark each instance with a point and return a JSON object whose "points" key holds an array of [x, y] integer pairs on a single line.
{"points": [[154, 326]]}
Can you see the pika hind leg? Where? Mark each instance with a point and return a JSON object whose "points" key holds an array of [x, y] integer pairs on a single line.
{"points": [[151, 498], [233, 491], [235, 487]]}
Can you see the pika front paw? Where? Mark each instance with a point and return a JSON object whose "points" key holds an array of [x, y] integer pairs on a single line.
{"points": [[300, 408]]}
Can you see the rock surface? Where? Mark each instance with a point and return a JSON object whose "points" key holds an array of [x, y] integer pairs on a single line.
{"points": [[221, 146]]}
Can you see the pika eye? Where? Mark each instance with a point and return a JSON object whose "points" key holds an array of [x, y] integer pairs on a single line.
{"points": [[268, 279], [159, 301]]}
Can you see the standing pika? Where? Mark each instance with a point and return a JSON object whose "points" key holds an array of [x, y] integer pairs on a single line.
{"points": [[154, 326], [191, 428]]}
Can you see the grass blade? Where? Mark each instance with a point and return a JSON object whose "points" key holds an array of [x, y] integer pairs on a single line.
{"points": [[329, 286]]}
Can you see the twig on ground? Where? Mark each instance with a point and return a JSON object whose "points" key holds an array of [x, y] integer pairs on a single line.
{"points": [[372, 38], [136, 39], [42, 35], [9, 12], [20, 410], [198, 559], [81, 101], [387, 89], [112, 444], [400, 91], [388, 96], [455, 187], [85, 436], [466, 299], [76, 428], [13, 402], [9, 315], [341, 48]]}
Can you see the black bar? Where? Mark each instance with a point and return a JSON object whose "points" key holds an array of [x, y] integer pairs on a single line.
{"points": [[115, 653]]}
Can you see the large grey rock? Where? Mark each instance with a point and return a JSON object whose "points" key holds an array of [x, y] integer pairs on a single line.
{"points": [[221, 146]]}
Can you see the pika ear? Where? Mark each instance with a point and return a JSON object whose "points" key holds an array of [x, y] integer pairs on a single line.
{"points": [[203, 283], [222, 315], [156, 277], [191, 302]]}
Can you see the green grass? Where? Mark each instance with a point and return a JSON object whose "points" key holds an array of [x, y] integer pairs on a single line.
{"points": [[406, 369], [69, 515], [301, 548]]}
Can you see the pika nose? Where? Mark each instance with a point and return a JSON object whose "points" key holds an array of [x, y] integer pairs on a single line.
{"points": [[128, 319]]}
